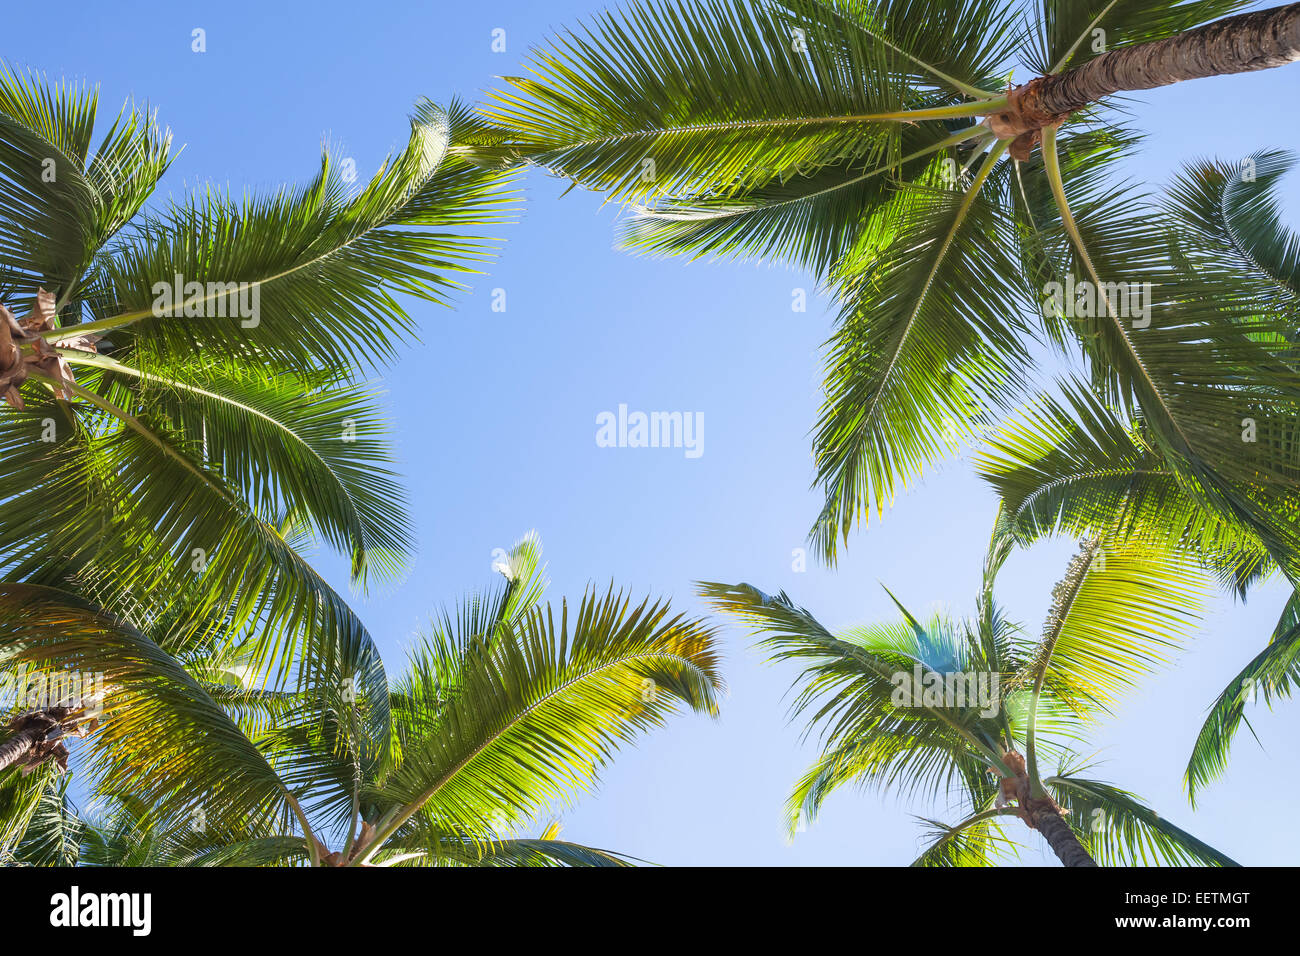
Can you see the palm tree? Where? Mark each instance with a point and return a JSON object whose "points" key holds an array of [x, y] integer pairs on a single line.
{"points": [[974, 710], [868, 141], [506, 707], [184, 379], [1073, 465]]}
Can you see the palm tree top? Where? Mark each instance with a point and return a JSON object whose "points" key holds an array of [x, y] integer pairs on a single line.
{"points": [[508, 708], [973, 711]]}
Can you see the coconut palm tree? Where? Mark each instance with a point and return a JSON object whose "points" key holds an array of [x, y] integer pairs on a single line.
{"points": [[977, 710], [1070, 464], [183, 378], [506, 708], [881, 145]]}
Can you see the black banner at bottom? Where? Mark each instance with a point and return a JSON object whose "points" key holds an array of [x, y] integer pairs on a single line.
{"points": [[136, 907]]}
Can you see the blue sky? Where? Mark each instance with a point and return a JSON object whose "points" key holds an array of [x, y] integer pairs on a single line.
{"points": [[495, 418]]}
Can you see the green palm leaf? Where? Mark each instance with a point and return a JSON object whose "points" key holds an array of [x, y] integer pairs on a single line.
{"points": [[924, 347], [59, 201], [1275, 671], [1115, 615], [30, 829], [849, 690], [162, 739], [323, 264], [972, 842], [724, 95], [457, 849], [1119, 831], [54, 833], [1236, 212], [1072, 465], [538, 710], [811, 220], [1202, 356], [310, 446]]}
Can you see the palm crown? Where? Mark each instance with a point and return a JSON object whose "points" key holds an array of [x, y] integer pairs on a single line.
{"points": [[186, 405], [507, 707], [1117, 612], [875, 143]]}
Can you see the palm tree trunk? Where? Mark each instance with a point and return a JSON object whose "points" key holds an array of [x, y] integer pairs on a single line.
{"points": [[18, 746], [1240, 44], [1049, 822]]}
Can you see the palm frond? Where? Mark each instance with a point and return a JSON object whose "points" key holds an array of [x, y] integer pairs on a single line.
{"points": [[923, 349], [716, 96], [160, 738], [1116, 614], [305, 276], [29, 830], [59, 200], [458, 849], [1119, 830], [808, 219], [972, 842], [850, 689], [54, 833], [1196, 358], [163, 521], [1274, 671], [307, 446], [539, 709], [1235, 211], [1072, 465]]}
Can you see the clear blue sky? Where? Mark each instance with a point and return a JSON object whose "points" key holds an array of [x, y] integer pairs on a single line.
{"points": [[495, 417]]}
